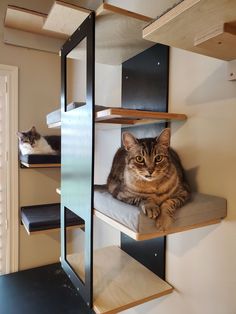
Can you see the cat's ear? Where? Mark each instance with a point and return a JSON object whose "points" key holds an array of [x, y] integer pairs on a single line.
{"points": [[164, 138], [19, 135], [33, 130], [128, 140]]}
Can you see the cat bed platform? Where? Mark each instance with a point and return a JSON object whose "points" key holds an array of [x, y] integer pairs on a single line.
{"points": [[44, 217], [40, 161], [201, 211]]}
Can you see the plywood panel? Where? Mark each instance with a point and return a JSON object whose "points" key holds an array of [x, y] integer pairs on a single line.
{"points": [[189, 20], [120, 282], [65, 18], [29, 21]]}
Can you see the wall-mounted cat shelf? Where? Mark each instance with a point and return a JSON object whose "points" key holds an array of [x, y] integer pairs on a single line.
{"points": [[120, 282], [44, 218], [40, 161], [201, 211], [118, 31], [188, 26], [124, 117]]}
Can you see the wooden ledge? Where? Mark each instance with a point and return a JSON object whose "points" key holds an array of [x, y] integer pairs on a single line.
{"points": [[124, 116], [184, 27], [119, 282], [24, 164]]}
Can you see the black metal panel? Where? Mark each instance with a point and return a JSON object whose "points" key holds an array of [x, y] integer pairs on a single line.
{"points": [[77, 169], [145, 86], [150, 253], [145, 80]]}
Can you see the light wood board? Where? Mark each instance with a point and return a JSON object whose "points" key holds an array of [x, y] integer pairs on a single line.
{"points": [[119, 282], [50, 230], [190, 20], [34, 41], [40, 165], [131, 117], [147, 236], [29, 21], [65, 18]]}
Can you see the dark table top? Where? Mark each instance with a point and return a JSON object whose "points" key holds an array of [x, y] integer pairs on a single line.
{"points": [[41, 290]]}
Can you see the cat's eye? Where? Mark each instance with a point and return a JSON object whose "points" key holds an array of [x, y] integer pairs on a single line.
{"points": [[139, 159], [158, 158]]}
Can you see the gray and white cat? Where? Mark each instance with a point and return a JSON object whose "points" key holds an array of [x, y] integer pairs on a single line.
{"points": [[31, 142], [148, 173]]}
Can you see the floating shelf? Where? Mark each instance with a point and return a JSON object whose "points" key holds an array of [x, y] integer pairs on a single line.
{"points": [[118, 31], [120, 282], [44, 218], [202, 26], [203, 210], [27, 165], [28, 21], [134, 117], [40, 161], [127, 117]]}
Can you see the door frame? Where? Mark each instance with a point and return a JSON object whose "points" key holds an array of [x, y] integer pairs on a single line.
{"points": [[11, 157]]}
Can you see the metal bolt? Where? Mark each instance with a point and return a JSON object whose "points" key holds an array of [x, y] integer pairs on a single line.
{"points": [[77, 289], [126, 77], [158, 63], [155, 254]]}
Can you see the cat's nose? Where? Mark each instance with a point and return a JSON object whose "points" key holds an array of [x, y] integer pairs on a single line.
{"points": [[150, 171]]}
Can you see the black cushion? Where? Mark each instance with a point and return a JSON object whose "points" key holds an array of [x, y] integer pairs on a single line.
{"points": [[42, 217], [41, 159]]}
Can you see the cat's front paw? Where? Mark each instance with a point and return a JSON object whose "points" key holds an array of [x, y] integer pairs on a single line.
{"points": [[163, 222], [151, 210], [166, 218]]}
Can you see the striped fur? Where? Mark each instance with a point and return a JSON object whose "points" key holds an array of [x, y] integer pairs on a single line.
{"points": [[148, 173]]}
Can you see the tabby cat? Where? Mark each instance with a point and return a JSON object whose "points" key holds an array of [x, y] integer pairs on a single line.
{"points": [[31, 142], [148, 173]]}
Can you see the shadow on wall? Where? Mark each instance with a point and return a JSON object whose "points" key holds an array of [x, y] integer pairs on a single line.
{"points": [[207, 91], [179, 247]]}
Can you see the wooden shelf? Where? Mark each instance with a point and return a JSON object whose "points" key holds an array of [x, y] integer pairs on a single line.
{"points": [[202, 210], [120, 282], [118, 31], [28, 21], [24, 164], [134, 117], [138, 236], [202, 26], [131, 117], [205, 210]]}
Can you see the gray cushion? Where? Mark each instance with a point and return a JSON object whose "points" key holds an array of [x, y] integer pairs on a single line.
{"points": [[200, 209]]}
